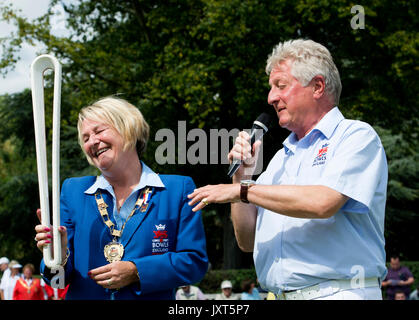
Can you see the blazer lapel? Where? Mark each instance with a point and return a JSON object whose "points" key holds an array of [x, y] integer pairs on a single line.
{"points": [[95, 211], [109, 201], [137, 219]]}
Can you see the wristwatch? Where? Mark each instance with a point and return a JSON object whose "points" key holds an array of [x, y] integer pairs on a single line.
{"points": [[244, 187]]}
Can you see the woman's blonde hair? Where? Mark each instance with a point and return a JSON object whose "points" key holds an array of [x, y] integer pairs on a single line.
{"points": [[308, 59], [121, 115]]}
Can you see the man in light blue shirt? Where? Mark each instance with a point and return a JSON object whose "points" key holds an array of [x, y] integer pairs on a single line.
{"points": [[315, 218], [345, 156]]}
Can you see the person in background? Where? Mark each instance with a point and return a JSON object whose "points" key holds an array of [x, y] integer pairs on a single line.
{"points": [[8, 283], [399, 278], [414, 294], [4, 269], [28, 287], [4, 266], [399, 295], [249, 291], [190, 293], [226, 292]]}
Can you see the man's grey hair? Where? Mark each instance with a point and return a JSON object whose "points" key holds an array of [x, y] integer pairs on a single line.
{"points": [[308, 59]]}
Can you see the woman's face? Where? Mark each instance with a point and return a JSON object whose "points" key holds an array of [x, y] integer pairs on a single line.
{"points": [[27, 272], [102, 143], [15, 271]]}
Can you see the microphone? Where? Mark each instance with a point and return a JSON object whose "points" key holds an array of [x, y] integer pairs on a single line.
{"points": [[259, 128]]}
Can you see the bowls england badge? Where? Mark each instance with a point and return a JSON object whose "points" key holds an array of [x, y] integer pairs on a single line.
{"points": [[160, 241]]}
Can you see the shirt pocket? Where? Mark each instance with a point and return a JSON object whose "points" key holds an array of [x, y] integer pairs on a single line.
{"points": [[310, 172]]}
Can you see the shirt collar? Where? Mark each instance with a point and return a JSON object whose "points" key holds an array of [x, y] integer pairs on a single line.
{"points": [[329, 122], [290, 143], [326, 126], [148, 178]]}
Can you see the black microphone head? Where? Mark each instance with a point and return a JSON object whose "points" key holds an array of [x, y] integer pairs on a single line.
{"points": [[264, 121]]}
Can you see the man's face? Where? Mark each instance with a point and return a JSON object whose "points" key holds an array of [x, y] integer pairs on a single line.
{"points": [[394, 263], [400, 296], [292, 102], [227, 292]]}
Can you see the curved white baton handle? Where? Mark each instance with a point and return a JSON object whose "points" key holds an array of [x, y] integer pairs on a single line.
{"points": [[38, 67]]}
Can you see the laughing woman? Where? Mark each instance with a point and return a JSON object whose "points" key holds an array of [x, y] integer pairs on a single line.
{"points": [[128, 233]]}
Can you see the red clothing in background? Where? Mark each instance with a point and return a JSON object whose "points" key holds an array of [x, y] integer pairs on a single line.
{"points": [[24, 291]]}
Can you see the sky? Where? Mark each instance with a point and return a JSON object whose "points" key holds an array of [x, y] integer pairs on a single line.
{"points": [[19, 78]]}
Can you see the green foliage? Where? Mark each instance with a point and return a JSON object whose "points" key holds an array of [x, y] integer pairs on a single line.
{"points": [[212, 280], [414, 268], [203, 62], [18, 178], [402, 217], [17, 122]]}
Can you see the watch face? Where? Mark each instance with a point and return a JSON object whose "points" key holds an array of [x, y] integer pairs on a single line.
{"points": [[247, 182]]}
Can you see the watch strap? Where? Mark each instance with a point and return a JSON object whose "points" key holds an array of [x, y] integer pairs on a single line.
{"points": [[244, 188]]}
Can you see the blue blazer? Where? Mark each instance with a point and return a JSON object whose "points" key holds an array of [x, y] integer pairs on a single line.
{"points": [[163, 263]]}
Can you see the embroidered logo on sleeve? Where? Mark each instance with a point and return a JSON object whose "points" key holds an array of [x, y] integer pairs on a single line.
{"points": [[321, 155], [160, 242]]}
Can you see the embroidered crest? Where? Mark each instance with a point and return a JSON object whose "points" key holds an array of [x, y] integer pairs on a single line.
{"points": [[160, 241], [321, 155]]}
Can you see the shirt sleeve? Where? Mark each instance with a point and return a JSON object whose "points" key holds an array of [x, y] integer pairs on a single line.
{"points": [[357, 168], [408, 273], [201, 296]]}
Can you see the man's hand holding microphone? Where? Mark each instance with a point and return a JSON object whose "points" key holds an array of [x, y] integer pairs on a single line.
{"points": [[243, 158]]}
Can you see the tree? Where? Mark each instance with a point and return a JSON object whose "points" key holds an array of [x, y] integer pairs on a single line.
{"points": [[402, 218], [203, 62], [18, 177]]}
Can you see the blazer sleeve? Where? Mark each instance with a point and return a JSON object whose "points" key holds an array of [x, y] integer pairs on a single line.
{"points": [[187, 264], [358, 168]]}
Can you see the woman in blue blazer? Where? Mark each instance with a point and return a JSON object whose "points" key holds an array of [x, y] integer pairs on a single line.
{"points": [[128, 233]]}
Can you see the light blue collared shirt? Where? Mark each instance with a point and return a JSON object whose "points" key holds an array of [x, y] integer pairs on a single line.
{"points": [[148, 179], [344, 155]]}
